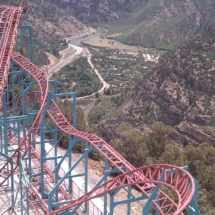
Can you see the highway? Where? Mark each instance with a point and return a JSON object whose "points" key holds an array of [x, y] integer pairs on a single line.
{"points": [[65, 60]]}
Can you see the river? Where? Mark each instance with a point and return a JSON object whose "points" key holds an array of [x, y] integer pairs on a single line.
{"points": [[77, 42]]}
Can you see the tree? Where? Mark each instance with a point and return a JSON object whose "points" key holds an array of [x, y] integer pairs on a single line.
{"points": [[195, 159], [172, 155], [97, 95], [81, 123], [130, 144], [205, 203], [158, 139]]}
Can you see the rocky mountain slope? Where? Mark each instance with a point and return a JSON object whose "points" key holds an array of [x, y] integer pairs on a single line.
{"points": [[99, 10], [152, 23], [164, 23], [51, 25], [180, 92]]}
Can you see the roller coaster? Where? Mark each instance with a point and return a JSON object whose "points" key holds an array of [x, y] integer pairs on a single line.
{"points": [[30, 120]]}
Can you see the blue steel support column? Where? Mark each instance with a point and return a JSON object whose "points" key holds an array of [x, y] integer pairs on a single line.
{"points": [[158, 203], [105, 180], [42, 146], [55, 163], [71, 142], [129, 202], [29, 122], [86, 173], [68, 175], [193, 208], [147, 207], [42, 155], [112, 202], [54, 84], [24, 185], [31, 114], [12, 188], [29, 165], [21, 192]]}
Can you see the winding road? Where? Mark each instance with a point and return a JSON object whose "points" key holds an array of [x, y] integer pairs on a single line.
{"points": [[75, 41], [65, 60]]}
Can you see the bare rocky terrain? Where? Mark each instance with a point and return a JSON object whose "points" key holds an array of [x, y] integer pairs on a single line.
{"points": [[179, 92]]}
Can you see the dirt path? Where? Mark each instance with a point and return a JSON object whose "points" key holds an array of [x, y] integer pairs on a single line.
{"points": [[104, 83]]}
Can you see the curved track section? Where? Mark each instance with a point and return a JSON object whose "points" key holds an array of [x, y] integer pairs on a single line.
{"points": [[181, 183], [167, 206], [118, 161], [144, 178], [9, 25], [25, 144]]}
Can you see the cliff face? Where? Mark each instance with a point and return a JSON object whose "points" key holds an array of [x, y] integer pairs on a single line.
{"points": [[180, 92]]}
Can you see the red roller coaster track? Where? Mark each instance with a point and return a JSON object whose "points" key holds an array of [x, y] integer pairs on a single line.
{"points": [[144, 178]]}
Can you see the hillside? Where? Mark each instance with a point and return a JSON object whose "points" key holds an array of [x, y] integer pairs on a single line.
{"points": [[150, 23], [180, 93], [164, 23], [51, 25], [99, 10]]}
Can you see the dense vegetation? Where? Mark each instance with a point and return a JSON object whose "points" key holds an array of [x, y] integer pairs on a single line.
{"points": [[158, 147], [107, 107], [120, 68], [179, 92], [77, 77]]}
